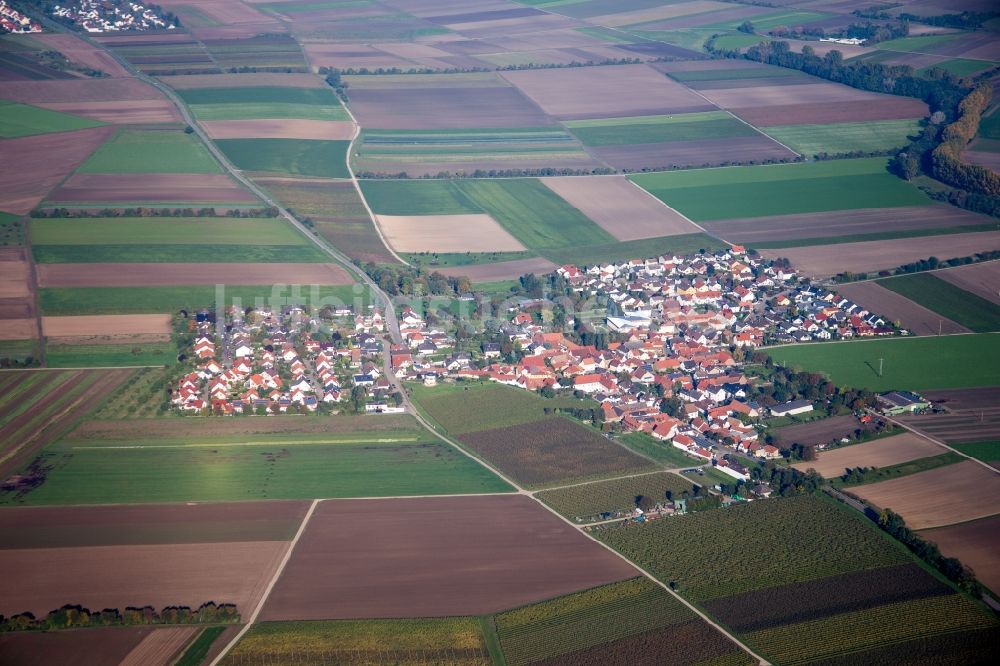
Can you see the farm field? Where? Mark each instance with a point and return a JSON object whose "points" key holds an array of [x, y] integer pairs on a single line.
{"points": [[979, 279], [123, 101], [152, 275], [103, 646], [634, 620], [18, 120], [556, 449], [585, 503], [881, 452], [962, 427], [988, 452], [719, 194], [447, 234], [107, 190], [164, 231], [144, 469], [452, 641], [300, 157], [909, 363], [151, 151], [838, 539], [662, 452], [837, 138], [975, 544], [465, 556], [261, 102], [60, 355], [896, 307], [820, 431], [942, 496], [966, 308]]}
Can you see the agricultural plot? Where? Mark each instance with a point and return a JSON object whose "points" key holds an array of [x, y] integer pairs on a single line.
{"points": [[983, 279], [301, 157], [867, 256], [975, 545], [634, 621], [18, 120], [944, 298], [907, 363], [544, 453], [464, 556], [942, 496], [584, 503], [262, 102], [623, 210], [174, 53], [719, 194], [147, 469], [430, 152], [625, 90], [446, 233], [162, 274], [120, 101], [267, 52], [103, 646], [834, 139], [828, 540], [898, 308], [140, 352], [876, 453], [34, 165], [105, 190], [337, 214], [820, 431], [151, 151], [501, 271], [451, 641]]}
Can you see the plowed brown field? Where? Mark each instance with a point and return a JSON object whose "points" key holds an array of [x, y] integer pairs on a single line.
{"points": [[896, 307], [432, 557], [287, 128], [104, 646], [976, 544], [505, 270], [983, 280], [877, 453], [142, 187]]}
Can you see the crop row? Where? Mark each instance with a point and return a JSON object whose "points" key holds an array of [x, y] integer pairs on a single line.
{"points": [[780, 541], [962, 647], [589, 501], [882, 625], [584, 620]]}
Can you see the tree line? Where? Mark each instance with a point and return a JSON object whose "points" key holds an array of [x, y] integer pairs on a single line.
{"points": [[73, 616], [946, 159]]}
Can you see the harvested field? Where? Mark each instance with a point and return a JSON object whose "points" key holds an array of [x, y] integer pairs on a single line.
{"points": [[971, 425], [33, 165], [625, 90], [552, 450], [14, 273], [154, 524], [842, 225], [445, 108], [434, 557], [504, 270], [137, 575], [976, 544], [942, 496], [983, 279], [823, 260], [820, 431], [703, 152], [660, 13], [173, 188], [285, 128], [876, 453], [875, 108], [18, 329], [110, 325], [147, 275], [134, 112], [955, 400], [624, 210], [897, 308], [102, 646], [753, 97], [447, 233], [82, 53], [161, 647], [79, 90], [253, 80]]}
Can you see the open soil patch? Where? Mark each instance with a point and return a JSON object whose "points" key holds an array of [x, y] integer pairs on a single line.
{"points": [[980, 279], [976, 544], [435, 557], [114, 325], [877, 453], [104, 646], [445, 108], [282, 128], [447, 233], [504, 270]]}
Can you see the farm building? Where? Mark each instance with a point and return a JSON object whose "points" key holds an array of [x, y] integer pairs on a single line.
{"points": [[792, 408], [901, 402]]}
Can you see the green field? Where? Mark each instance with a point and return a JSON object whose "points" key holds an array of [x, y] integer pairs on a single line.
{"points": [[465, 407], [77, 254], [262, 102], [759, 191], [738, 40], [417, 197], [659, 129], [196, 652], [958, 67], [974, 312], [779, 541], [585, 503], [164, 231], [341, 465], [742, 73], [24, 120], [952, 361], [839, 138], [444, 641], [112, 355], [301, 157], [11, 231], [917, 44], [152, 300], [789, 18], [259, 110], [662, 452], [985, 451], [419, 146], [151, 151]]}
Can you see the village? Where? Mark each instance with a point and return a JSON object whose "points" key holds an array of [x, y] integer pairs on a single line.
{"points": [[13, 21], [97, 16]]}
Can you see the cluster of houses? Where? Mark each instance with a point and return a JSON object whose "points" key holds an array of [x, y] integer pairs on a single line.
{"points": [[268, 362], [14, 21], [683, 326], [112, 16]]}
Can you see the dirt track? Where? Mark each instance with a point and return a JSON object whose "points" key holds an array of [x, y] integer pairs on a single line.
{"points": [[434, 557], [149, 275]]}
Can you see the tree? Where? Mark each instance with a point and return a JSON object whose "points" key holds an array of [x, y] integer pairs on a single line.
{"points": [[746, 27]]}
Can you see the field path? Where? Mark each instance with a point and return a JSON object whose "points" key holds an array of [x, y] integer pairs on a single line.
{"points": [[270, 586]]}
